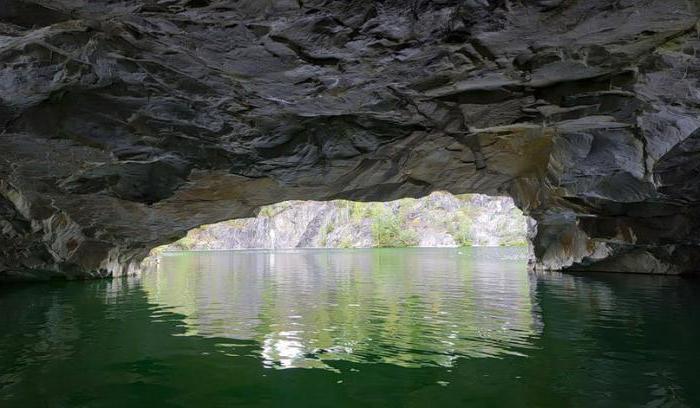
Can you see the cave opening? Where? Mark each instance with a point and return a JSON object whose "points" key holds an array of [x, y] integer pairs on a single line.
{"points": [[410, 283], [126, 125], [439, 219]]}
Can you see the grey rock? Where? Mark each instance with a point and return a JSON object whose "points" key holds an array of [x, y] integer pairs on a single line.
{"points": [[125, 124], [437, 220]]}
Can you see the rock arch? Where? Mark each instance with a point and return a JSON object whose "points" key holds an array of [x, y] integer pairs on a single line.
{"points": [[125, 124]]}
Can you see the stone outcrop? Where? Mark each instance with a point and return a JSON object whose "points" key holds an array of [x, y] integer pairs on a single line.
{"points": [[123, 124], [438, 220]]}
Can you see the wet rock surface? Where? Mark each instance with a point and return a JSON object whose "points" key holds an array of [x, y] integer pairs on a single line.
{"points": [[125, 124]]}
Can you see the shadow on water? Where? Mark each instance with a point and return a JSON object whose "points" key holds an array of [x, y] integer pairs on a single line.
{"points": [[351, 328]]}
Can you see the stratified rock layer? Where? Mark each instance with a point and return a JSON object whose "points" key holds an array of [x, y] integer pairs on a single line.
{"points": [[437, 220], [126, 123]]}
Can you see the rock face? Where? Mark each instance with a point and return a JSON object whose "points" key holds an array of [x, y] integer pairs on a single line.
{"points": [[123, 124], [438, 220]]}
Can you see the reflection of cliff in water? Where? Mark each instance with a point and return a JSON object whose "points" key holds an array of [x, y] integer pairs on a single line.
{"points": [[599, 340], [409, 307]]}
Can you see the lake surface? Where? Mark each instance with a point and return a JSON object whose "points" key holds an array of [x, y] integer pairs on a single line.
{"points": [[355, 328]]}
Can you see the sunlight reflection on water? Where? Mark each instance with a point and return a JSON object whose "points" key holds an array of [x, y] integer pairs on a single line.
{"points": [[407, 307]]}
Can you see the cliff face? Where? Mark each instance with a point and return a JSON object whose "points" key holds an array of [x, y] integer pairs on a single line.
{"points": [[125, 124], [438, 220]]}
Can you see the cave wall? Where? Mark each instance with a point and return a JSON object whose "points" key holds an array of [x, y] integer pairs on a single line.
{"points": [[123, 124]]}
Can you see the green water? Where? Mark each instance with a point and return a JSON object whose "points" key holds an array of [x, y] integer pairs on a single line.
{"points": [[356, 328]]}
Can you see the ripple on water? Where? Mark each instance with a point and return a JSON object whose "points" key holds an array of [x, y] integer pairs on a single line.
{"points": [[414, 327], [306, 307]]}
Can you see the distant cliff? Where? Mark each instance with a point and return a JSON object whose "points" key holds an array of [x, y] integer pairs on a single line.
{"points": [[438, 220]]}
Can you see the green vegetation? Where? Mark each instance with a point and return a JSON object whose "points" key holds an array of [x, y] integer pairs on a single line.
{"points": [[325, 231], [185, 243], [437, 220], [388, 231], [345, 243], [360, 211], [273, 210], [236, 224], [461, 227]]}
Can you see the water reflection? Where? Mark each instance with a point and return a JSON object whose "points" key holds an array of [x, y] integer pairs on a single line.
{"points": [[409, 307], [553, 340]]}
